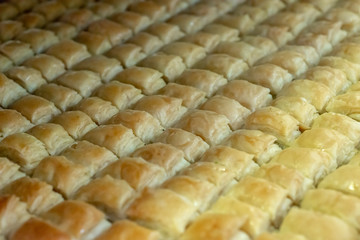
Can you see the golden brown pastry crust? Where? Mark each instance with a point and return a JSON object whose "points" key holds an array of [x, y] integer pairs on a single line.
{"points": [[96, 44], [128, 54], [28, 78], [17, 51], [39, 39], [149, 43], [9, 91], [11, 122]]}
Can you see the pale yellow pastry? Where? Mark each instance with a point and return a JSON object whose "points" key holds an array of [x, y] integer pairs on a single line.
{"points": [[135, 21], [166, 32], [346, 104], [294, 21], [352, 70], [28, 78], [116, 33], [101, 9], [204, 39], [80, 18], [349, 20], [64, 175], [243, 23], [266, 45], [9, 173], [9, 29], [349, 51], [189, 52], [280, 236], [51, 10], [149, 43], [9, 91], [11, 122], [137, 172], [225, 33], [149, 8], [119, 5], [62, 30], [278, 34], [331, 29], [32, 20], [307, 10], [187, 23], [270, 6], [39, 39], [322, 5], [115, 137], [128, 54], [142, 123], [320, 42], [96, 44], [17, 51], [6, 63], [309, 53]]}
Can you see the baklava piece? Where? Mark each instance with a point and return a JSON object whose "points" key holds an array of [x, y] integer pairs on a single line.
{"points": [[249, 95], [77, 218], [206, 40], [149, 43], [54, 136], [23, 149], [266, 45], [80, 18], [32, 20], [119, 5], [166, 109], [97, 109], [299, 108], [39, 39], [83, 81], [114, 202], [116, 33], [96, 44], [313, 163], [347, 104], [263, 146], [29, 78], [191, 97], [210, 126], [49, 66], [11, 122], [166, 32], [317, 225], [91, 156], [274, 121], [5, 63], [76, 123], [218, 226], [268, 196], [64, 175], [187, 23], [270, 6], [119, 94], [243, 23], [135, 21], [292, 180], [256, 14], [331, 29], [9, 172], [204, 80], [309, 53], [62, 30], [102, 9], [36, 109], [318, 41], [143, 124], [278, 34], [333, 203], [233, 110], [348, 51], [51, 10], [349, 20], [308, 11], [339, 146], [9, 91], [62, 97], [225, 33], [294, 21], [17, 51], [192, 145], [164, 155], [115, 137], [148, 206], [146, 79], [107, 68], [137, 172], [128, 54], [269, 76], [13, 214], [150, 9], [38, 195], [316, 93], [9, 29]]}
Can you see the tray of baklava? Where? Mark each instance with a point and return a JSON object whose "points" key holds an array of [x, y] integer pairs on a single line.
{"points": [[179, 119]]}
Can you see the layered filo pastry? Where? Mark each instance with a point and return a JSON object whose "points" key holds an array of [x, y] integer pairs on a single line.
{"points": [[296, 22], [32, 20], [136, 171], [299, 108], [243, 23], [316, 93], [54, 136], [331, 29], [274, 121], [10, 29], [106, 67], [315, 225], [64, 175], [205, 80], [227, 66], [77, 218], [151, 9], [62, 30], [262, 145], [257, 14], [16, 51], [249, 95], [191, 97], [187, 23], [225, 33], [49, 66], [80, 18], [257, 220], [39, 39], [115, 137], [11, 122], [84, 82], [171, 66], [308, 11], [50, 10], [38, 195], [146, 209], [280, 236], [268, 196], [339, 146], [165, 31], [13, 214], [6, 63], [219, 226], [125, 229], [96, 44], [10, 91], [352, 70], [204, 39], [278, 34], [119, 194], [89, 155], [135, 21], [318, 41], [193, 146], [269, 76], [207, 11], [309, 53], [9, 171], [233, 110], [29, 78], [143, 124], [210, 126], [334, 203], [128, 54], [148, 43], [349, 20], [348, 50], [76, 123], [23, 149], [167, 110], [165, 155], [148, 80], [347, 104], [270, 6]]}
